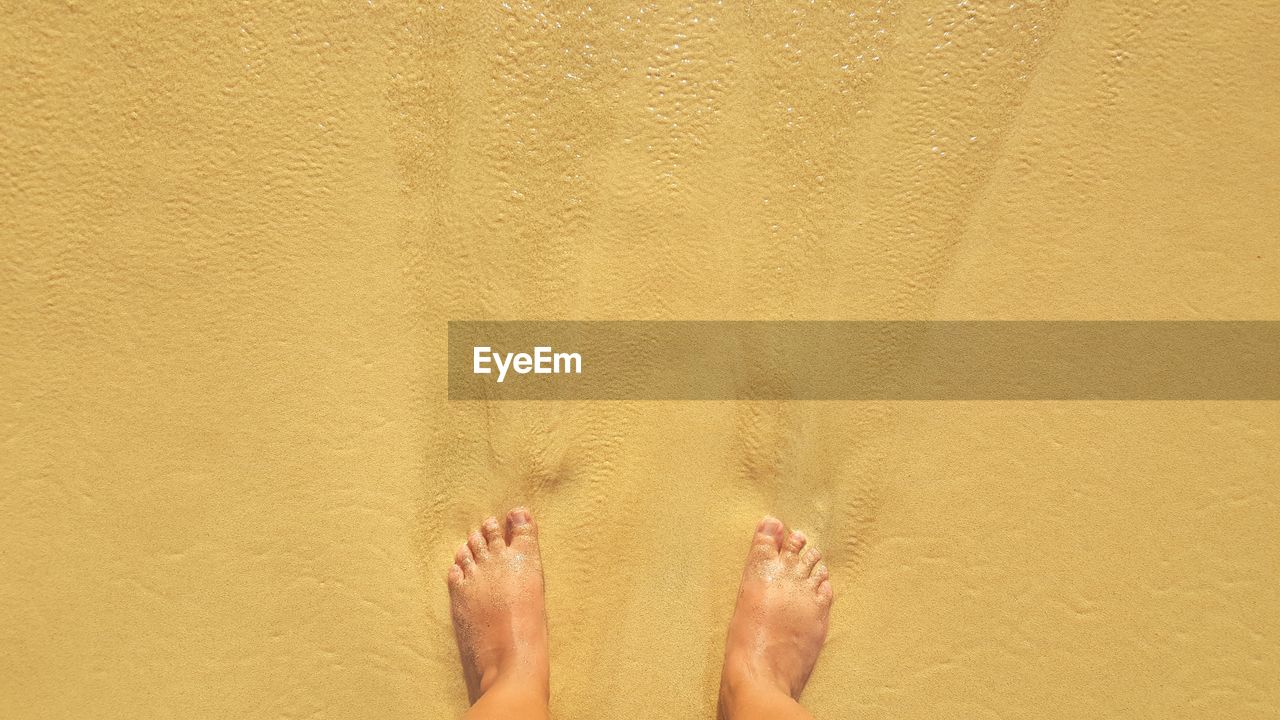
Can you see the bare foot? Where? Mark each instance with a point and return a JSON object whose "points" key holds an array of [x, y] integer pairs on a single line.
{"points": [[779, 624], [495, 586]]}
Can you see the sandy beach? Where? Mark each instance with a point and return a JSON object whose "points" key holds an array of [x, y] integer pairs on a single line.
{"points": [[230, 478]]}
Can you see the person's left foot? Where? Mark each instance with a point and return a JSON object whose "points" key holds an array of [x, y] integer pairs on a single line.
{"points": [[495, 588]]}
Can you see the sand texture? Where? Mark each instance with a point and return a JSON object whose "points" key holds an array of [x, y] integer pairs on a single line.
{"points": [[230, 239]]}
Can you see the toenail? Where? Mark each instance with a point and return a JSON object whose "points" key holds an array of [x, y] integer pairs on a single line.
{"points": [[520, 516], [769, 523]]}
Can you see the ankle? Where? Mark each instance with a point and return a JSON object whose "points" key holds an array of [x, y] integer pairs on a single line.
{"points": [[745, 694], [741, 674], [758, 702], [511, 697], [527, 686]]}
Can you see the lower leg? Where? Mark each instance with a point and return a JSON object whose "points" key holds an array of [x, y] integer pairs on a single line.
{"points": [[778, 627]]}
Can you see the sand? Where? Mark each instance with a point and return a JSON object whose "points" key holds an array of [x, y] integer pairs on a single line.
{"points": [[230, 481]]}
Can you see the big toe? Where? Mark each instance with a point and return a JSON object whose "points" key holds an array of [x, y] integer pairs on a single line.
{"points": [[522, 531], [768, 537]]}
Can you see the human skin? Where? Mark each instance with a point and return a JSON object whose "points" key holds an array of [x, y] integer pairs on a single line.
{"points": [[499, 618], [779, 625]]}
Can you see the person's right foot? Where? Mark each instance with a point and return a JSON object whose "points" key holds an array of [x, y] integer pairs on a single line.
{"points": [[780, 621]]}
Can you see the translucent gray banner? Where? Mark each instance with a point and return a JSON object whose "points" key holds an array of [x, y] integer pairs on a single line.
{"points": [[864, 360]]}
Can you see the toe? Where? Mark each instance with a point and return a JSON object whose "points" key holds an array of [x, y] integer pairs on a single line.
{"points": [[463, 559], [768, 535], [478, 546], [455, 575], [492, 533], [808, 560], [825, 593], [819, 574], [522, 532], [794, 543]]}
